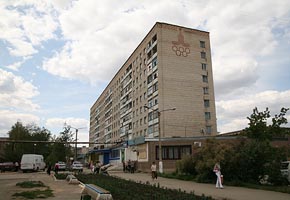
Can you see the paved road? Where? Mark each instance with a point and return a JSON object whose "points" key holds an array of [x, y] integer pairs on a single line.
{"points": [[230, 193], [61, 189]]}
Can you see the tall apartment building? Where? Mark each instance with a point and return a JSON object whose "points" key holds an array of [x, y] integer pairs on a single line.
{"points": [[170, 68]]}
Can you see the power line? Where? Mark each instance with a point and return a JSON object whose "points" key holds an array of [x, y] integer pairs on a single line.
{"points": [[52, 142]]}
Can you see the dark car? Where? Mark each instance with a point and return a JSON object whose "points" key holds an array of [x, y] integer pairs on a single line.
{"points": [[7, 166]]}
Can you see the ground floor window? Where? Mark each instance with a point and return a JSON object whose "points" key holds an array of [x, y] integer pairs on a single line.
{"points": [[115, 153], [173, 152]]}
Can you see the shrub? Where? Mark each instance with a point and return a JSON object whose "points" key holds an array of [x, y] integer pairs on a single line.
{"points": [[186, 165]]}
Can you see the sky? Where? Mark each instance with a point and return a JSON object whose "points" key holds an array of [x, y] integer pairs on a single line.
{"points": [[57, 56]]}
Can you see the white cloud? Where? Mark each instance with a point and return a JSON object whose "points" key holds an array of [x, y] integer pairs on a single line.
{"points": [[15, 66], [9, 118], [98, 43], [16, 93], [25, 25], [100, 35], [232, 114]]}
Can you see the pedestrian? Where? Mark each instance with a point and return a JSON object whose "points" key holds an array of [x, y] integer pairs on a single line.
{"points": [[124, 166], [132, 168], [153, 171], [129, 165], [56, 169], [16, 166], [48, 169], [97, 167], [217, 171]]}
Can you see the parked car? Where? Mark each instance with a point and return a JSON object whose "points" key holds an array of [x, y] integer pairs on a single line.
{"points": [[7, 166], [77, 166], [285, 169], [61, 166]]}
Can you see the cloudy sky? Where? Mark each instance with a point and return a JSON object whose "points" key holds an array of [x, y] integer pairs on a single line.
{"points": [[57, 56]]}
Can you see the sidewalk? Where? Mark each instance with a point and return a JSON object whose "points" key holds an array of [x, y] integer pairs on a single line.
{"points": [[229, 192], [61, 188]]}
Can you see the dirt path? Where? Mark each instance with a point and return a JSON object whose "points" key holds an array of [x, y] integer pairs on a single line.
{"points": [[61, 189]]}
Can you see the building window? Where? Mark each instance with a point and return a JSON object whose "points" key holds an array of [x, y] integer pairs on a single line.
{"points": [[202, 44], [150, 91], [152, 115], [154, 62], [206, 103], [173, 152], [208, 130], [205, 90], [155, 87], [153, 128], [207, 115], [204, 79], [115, 153], [149, 79], [203, 66], [203, 55]]}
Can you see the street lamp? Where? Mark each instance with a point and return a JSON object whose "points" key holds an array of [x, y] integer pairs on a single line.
{"points": [[159, 135], [76, 148]]}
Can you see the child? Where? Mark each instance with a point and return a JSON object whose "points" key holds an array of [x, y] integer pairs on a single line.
{"points": [[153, 171]]}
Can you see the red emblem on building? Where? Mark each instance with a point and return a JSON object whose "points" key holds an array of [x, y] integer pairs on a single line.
{"points": [[180, 47]]}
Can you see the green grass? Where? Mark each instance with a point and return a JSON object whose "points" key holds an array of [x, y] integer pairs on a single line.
{"points": [[30, 184], [35, 194]]}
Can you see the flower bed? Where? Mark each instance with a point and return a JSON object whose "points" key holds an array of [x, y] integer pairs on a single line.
{"points": [[124, 190]]}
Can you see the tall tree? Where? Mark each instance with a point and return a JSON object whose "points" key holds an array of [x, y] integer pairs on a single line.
{"points": [[259, 129], [14, 151], [39, 134], [61, 151]]}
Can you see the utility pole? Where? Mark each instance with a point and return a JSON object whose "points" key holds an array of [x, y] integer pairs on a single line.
{"points": [[159, 135], [76, 142]]}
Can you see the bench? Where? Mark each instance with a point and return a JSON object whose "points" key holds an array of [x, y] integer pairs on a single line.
{"points": [[95, 193]]}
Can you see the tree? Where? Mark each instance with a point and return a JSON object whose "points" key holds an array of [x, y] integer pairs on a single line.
{"points": [[258, 157], [258, 128], [61, 151], [39, 134], [14, 151]]}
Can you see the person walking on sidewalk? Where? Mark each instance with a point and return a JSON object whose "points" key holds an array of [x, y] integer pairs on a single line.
{"points": [[217, 171], [153, 171]]}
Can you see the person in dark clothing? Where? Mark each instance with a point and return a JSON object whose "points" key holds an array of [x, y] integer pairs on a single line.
{"points": [[16, 166], [56, 169], [124, 166], [97, 167], [48, 169]]}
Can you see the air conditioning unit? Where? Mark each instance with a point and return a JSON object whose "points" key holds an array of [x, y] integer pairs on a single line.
{"points": [[197, 144]]}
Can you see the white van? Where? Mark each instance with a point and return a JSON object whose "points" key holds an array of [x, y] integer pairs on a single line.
{"points": [[285, 169], [32, 162]]}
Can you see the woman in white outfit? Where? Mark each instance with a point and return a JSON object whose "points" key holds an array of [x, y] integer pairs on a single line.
{"points": [[217, 170]]}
